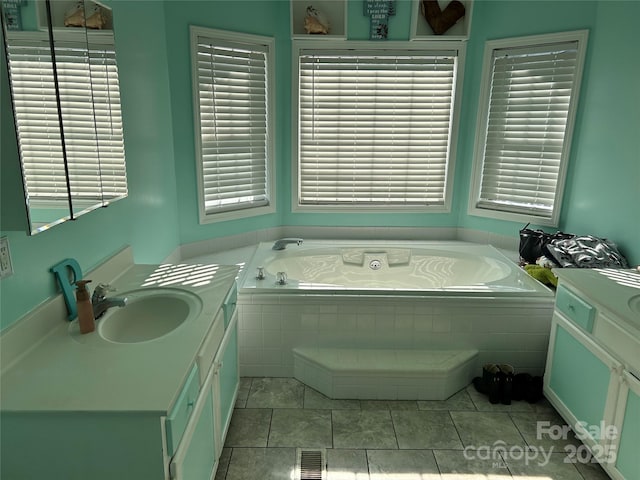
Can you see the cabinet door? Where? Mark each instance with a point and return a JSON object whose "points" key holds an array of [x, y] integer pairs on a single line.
{"points": [[196, 456], [578, 378], [627, 460], [228, 377]]}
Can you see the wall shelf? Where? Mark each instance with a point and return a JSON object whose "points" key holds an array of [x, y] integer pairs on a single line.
{"points": [[61, 7], [420, 29], [334, 10]]}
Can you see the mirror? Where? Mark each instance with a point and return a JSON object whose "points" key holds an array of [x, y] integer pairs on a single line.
{"points": [[66, 101]]}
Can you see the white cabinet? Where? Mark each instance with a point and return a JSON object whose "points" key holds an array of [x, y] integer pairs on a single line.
{"points": [[589, 378], [627, 429], [580, 380], [227, 379], [179, 440], [196, 457]]}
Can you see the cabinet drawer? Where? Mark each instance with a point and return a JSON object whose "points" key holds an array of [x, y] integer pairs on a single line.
{"points": [[210, 345], [576, 309], [229, 304], [179, 416]]}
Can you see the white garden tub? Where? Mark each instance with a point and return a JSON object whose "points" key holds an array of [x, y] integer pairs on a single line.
{"points": [[414, 268]]}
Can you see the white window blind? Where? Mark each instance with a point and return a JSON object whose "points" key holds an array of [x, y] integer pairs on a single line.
{"points": [[374, 127], [233, 139], [91, 116], [530, 109]]}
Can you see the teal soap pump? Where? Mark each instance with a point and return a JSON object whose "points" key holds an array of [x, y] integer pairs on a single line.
{"points": [[86, 321]]}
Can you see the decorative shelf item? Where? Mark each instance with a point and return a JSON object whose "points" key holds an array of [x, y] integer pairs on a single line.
{"points": [[319, 19], [441, 19], [379, 12], [69, 14]]}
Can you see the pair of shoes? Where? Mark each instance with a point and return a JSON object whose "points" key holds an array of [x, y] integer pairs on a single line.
{"points": [[496, 382], [527, 387]]}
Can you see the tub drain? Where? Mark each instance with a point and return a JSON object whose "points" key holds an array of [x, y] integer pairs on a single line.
{"points": [[375, 264]]}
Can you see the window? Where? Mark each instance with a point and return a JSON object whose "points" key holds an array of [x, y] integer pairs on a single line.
{"points": [[527, 108], [90, 110], [232, 88], [375, 126]]}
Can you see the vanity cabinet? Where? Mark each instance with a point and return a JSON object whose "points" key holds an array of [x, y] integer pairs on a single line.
{"points": [[201, 445], [627, 421], [592, 382], [179, 437], [581, 379], [227, 379]]}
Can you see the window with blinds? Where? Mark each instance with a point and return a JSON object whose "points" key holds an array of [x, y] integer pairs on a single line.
{"points": [[91, 116], [375, 127], [232, 98], [531, 91]]}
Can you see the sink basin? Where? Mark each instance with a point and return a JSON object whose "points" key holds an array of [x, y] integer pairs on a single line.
{"points": [[149, 314], [634, 304]]}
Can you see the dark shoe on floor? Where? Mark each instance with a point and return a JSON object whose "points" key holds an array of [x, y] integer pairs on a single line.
{"points": [[489, 383], [521, 383], [506, 384], [533, 392], [492, 377]]}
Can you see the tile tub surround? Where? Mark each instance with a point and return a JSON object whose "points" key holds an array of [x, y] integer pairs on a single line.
{"points": [[503, 330], [387, 440]]}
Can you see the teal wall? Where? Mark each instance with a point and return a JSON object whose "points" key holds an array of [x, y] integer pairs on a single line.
{"points": [[161, 212], [147, 219], [269, 18], [603, 181]]}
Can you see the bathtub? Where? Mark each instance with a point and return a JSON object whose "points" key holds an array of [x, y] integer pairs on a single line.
{"points": [[427, 296], [409, 268]]}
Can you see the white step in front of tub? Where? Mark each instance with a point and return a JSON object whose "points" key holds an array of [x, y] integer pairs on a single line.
{"points": [[384, 374]]}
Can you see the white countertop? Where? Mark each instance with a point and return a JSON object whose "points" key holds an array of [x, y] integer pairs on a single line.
{"points": [[62, 374], [610, 289]]}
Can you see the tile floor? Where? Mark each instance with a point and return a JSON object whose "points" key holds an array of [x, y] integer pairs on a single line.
{"points": [[464, 437]]}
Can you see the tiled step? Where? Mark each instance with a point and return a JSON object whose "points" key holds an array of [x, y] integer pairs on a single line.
{"points": [[385, 374]]}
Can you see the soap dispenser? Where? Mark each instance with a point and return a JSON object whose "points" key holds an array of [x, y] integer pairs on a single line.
{"points": [[85, 308]]}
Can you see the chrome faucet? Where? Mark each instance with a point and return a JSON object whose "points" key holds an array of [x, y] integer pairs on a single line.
{"points": [[283, 242], [101, 303]]}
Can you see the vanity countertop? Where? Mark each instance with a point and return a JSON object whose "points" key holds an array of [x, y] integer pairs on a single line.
{"points": [[616, 296], [610, 289], [63, 373]]}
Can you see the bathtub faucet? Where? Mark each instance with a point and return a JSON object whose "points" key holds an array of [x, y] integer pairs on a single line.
{"points": [[283, 242]]}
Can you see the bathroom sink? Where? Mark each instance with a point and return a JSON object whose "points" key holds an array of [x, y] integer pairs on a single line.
{"points": [[149, 315]]}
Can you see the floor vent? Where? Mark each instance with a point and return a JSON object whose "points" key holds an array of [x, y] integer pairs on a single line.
{"points": [[311, 465]]}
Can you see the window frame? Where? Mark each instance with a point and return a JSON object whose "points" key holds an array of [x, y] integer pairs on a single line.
{"points": [[426, 47], [225, 214], [579, 36]]}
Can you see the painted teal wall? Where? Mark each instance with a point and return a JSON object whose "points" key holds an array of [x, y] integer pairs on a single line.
{"points": [[603, 181], [269, 18], [603, 195], [147, 219], [161, 211]]}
